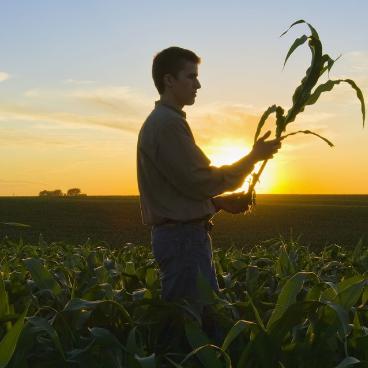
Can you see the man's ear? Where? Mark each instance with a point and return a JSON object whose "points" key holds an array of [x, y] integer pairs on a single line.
{"points": [[168, 80]]}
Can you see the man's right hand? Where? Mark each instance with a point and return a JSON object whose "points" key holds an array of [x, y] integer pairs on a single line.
{"points": [[264, 150]]}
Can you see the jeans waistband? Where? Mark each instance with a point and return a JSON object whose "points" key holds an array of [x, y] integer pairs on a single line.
{"points": [[206, 222]]}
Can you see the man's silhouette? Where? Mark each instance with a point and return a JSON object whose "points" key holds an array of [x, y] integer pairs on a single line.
{"points": [[179, 190]]}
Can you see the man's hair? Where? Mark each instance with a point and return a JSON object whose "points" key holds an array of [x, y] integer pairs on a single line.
{"points": [[170, 61]]}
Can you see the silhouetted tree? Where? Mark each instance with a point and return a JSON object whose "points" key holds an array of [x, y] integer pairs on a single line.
{"points": [[73, 192], [51, 193]]}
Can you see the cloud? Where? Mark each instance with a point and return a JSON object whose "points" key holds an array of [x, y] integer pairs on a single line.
{"points": [[78, 81], [4, 76], [32, 93], [358, 61], [19, 137], [21, 182], [220, 119], [239, 122], [114, 107], [25, 113], [118, 99]]}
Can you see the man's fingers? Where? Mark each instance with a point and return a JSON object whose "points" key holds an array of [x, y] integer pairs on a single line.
{"points": [[265, 136], [275, 142]]}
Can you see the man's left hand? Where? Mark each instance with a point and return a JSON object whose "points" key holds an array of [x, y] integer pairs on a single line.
{"points": [[233, 203]]}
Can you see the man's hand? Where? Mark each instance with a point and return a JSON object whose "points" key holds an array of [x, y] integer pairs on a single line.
{"points": [[233, 203], [264, 150]]}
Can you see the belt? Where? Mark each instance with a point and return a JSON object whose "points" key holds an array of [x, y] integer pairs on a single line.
{"points": [[207, 223]]}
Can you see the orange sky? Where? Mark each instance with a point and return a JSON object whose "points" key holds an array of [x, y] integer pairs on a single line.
{"points": [[75, 91]]}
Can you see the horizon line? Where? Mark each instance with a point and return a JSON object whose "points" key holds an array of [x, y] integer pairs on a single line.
{"points": [[137, 195]]}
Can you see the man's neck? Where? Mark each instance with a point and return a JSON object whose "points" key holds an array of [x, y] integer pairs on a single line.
{"points": [[168, 100]]}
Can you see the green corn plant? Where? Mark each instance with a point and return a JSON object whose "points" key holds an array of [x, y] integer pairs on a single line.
{"points": [[304, 95]]}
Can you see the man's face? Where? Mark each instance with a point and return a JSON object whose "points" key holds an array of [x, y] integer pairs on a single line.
{"points": [[184, 87]]}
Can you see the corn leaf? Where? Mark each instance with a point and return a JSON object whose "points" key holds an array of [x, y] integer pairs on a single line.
{"points": [[210, 348], [146, 362], [256, 313], [41, 324], [328, 87], [298, 42], [131, 344], [151, 277], [359, 95], [263, 119], [103, 305], [350, 291], [15, 224], [41, 276], [303, 91], [238, 328], [330, 62], [206, 293], [4, 300], [357, 253], [348, 362], [9, 341], [293, 316], [197, 338], [308, 132], [288, 295], [105, 338], [314, 32], [342, 316]]}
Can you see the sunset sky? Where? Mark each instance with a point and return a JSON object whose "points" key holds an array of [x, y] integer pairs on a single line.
{"points": [[76, 86]]}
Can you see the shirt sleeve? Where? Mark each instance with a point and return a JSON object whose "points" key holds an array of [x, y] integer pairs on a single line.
{"points": [[188, 169]]}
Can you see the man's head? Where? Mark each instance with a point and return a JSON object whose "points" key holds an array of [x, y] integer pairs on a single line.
{"points": [[175, 72]]}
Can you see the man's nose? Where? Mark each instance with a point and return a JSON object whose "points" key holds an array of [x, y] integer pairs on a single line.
{"points": [[198, 84]]}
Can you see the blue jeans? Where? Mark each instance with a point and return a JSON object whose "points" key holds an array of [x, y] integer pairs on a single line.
{"points": [[180, 251]]}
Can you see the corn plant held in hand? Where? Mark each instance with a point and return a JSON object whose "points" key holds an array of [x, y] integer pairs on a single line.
{"points": [[304, 95]]}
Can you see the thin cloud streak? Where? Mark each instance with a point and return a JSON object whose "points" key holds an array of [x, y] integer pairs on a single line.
{"points": [[23, 113], [78, 81], [4, 76], [219, 120], [21, 182], [116, 107]]}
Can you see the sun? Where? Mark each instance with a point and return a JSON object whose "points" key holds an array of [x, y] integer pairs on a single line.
{"points": [[228, 151]]}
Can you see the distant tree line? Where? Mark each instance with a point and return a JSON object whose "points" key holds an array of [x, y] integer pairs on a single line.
{"points": [[72, 192]]}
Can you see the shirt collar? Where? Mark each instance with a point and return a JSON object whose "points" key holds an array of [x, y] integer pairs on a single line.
{"points": [[181, 112]]}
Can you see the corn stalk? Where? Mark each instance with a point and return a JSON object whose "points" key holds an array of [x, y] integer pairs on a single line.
{"points": [[303, 95]]}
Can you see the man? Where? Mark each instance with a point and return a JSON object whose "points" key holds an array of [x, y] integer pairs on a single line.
{"points": [[179, 190]]}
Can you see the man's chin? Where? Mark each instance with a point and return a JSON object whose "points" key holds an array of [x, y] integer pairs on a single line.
{"points": [[189, 101]]}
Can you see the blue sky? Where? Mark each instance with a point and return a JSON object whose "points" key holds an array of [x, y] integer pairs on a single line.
{"points": [[75, 84]]}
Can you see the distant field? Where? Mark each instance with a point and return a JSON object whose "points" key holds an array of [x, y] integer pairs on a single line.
{"points": [[319, 219]]}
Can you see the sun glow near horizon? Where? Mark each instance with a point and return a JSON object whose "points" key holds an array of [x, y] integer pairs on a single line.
{"points": [[228, 151]]}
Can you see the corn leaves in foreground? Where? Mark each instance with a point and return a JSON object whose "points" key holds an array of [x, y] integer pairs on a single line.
{"points": [[90, 305]]}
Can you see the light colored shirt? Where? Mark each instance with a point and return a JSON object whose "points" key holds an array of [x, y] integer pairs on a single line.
{"points": [[175, 178]]}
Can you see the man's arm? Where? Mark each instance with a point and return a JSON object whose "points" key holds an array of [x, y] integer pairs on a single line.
{"points": [[188, 168]]}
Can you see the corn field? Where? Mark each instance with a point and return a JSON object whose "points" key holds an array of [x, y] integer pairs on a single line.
{"points": [[280, 305]]}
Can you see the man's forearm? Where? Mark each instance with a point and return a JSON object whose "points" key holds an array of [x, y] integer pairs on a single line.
{"points": [[234, 175], [245, 165]]}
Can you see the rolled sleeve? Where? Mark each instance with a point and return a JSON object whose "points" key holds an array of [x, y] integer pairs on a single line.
{"points": [[188, 169]]}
